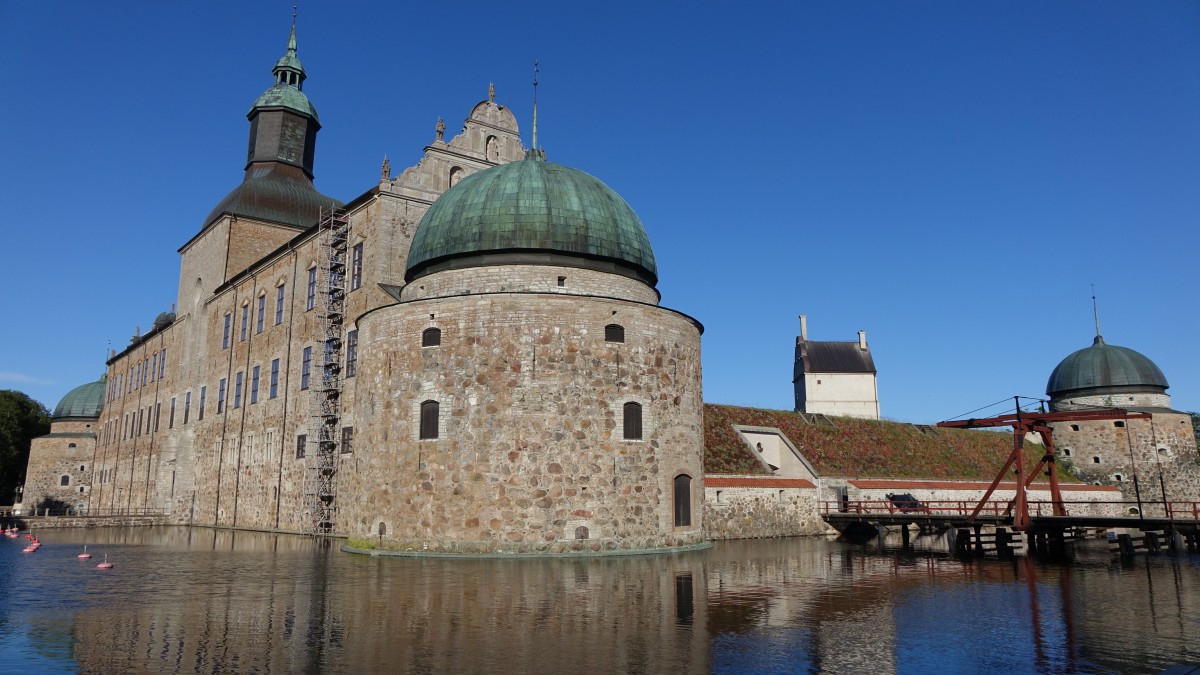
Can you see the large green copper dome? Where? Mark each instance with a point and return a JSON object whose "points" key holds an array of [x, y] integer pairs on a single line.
{"points": [[86, 400], [536, 212], [1105, 369]]}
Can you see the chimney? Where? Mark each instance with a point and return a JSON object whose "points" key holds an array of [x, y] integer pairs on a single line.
{"points": [[803, 328], [862, 340]]}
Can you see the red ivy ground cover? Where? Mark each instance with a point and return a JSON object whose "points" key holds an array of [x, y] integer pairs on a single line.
{"points": [[860, 448]]}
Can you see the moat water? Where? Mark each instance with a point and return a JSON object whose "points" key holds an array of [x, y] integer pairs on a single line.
{"points": [[199, 600]]}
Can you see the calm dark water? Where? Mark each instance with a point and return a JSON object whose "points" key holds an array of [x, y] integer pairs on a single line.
{"points": [[204, 601]]}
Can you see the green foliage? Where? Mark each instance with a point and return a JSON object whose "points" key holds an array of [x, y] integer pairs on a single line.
{"points": [[21, 420], [1196, 427], [361, 544]]}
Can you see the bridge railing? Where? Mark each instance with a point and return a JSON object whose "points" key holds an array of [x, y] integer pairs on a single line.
{"points": [[1179, 510]]}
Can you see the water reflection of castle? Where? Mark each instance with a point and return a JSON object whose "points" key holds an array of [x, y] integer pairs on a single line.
{"points": [[279, 604]]}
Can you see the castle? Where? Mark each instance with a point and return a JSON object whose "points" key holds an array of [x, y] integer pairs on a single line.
{"points": [[470, 356]]}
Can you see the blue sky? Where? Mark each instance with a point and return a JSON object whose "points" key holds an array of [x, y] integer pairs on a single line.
{"points": [[950, 177]]}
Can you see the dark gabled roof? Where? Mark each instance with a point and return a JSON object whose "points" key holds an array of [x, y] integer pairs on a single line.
{"points": [[836, 357]]}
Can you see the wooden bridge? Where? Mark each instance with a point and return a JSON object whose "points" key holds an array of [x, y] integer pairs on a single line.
{"points": [[1049, 525]]}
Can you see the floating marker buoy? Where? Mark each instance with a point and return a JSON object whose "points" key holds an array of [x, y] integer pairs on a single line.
{"points": [[28, 549], [105, 565], [85, 554]]}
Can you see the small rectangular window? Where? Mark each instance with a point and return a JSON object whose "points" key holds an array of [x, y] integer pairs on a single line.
{"points": [[683, 500], [187, 406], [245, 322], [614, 333], [225, 333], [154, 366], [203, 395], [157, 415], [262, 311], [279, 304], [237, 390], [356, 266], [306, 368], [347, 438], [351, 353], [429, 420], [274, 378], [221, 396], [171, 417], [254, 385], [162, 365], [310, 299], [301, 441], [632, 421]]}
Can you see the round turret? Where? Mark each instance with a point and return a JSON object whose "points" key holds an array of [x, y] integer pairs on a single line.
{"points": [[532, 212]]}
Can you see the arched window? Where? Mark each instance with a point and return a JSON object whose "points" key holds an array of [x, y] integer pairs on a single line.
{"points": [[633, 421], [429, 420], [431, 337], [65, 480], [614, 333], [456, 174], [683, 500], [70, 445], [492, 149]]}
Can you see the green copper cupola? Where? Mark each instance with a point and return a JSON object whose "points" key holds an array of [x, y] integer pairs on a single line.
{"points": [[277, 186], [283, 122]]}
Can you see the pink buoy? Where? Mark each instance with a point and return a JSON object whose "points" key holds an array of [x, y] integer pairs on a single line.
{"points": [[105, 565], [85, 554]]}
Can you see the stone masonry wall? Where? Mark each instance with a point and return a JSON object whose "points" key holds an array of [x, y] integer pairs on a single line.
{"points": [[52, 458], [529, 455], [758, 512], [1104, 453], [536, 278]]}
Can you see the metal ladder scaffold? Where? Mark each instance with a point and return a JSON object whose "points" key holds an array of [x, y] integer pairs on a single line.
{"points": [[320, 481]]}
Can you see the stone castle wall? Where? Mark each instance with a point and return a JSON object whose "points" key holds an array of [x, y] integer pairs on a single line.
{"points": [[58, 457], [529, 454], [752, 508], [1113, 452], [530, 278]]}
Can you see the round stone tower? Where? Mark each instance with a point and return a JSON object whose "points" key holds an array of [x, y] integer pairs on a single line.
{"points": [[531, 395], [1146, 458]]}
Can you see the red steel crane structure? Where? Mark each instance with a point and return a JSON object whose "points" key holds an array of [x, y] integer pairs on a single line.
{"points": [[1022, 423]]}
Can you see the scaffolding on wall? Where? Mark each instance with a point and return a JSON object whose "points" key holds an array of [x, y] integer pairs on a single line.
{"points": [[320, 481]]}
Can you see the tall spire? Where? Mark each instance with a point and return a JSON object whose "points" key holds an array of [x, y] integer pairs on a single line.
{"points": [[1096, 316], [288, 70], [535, 74]]}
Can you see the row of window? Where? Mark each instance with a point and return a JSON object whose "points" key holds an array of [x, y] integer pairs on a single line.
{"points": [[137, 375], [310, 301], [133, 428]]}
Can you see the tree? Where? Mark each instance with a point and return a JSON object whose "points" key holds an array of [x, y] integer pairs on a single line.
{"points": [[1196, 427], [21, 420]]}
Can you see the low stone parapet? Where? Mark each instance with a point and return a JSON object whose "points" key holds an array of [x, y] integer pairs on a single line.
{"points": [[751, 507], [50, 522]]}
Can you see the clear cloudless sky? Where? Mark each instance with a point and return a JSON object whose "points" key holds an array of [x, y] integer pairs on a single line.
{"points": [[950, 177]]}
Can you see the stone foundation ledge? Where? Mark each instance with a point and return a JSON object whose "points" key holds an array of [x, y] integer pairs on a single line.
{"points": [[567, 551], [53, 522]]}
